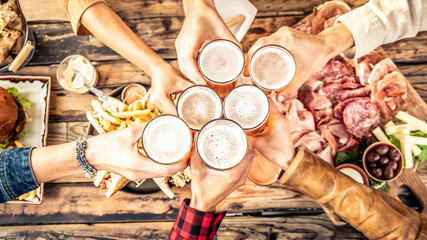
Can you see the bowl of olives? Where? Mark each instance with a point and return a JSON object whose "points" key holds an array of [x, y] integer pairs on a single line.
{"points": [[383, 161]]}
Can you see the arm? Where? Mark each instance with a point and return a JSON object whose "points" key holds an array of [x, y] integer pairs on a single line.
{"points": [[384, 21], [95, 17], [202, 23], [197, 218], [23, 169], [375, 214]]}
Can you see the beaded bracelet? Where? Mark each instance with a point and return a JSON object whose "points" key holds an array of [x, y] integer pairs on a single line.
{"points": [[81, 156]]}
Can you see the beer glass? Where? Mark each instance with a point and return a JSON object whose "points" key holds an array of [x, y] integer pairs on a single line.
{"points": [[221, 144], [197, 105], [272, 68], [167, 139], [221, 62], [247, 105]]}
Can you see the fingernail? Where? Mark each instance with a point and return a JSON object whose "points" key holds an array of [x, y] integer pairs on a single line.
{"points": [[280, 98]]}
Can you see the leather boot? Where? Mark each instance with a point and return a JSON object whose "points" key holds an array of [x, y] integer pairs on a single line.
{"points": [[375, 214]]}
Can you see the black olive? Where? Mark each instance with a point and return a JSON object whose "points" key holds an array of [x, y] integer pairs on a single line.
{"points": [[381, 149]]}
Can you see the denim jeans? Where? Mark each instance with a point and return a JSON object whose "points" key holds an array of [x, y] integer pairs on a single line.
{"points": [[16, 174]]}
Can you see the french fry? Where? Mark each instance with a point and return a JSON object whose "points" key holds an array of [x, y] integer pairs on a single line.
{"points": [[137, 121], [23, 196], [132, 106], [121, 105], [150, 106], [138, 105], [129, 122], [136, 113], [122, 125], [18, 144], [33, 195]]}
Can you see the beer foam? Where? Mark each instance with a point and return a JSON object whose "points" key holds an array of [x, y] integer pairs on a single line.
{"points": [[167, 139], [247, 105], [221, 61], [222, 144], [272, 68], [198, 105]]}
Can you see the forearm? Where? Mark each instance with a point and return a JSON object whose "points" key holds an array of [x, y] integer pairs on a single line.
{"points": [[337, 39], [50, 163], [104, 24], [190, 5], [383, 21]]}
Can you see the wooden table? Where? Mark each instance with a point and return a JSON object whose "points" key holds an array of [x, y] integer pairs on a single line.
{"points": [[74, 209]]}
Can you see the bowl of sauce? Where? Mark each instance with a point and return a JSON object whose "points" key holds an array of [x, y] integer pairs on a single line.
{"points": [[133, 92], [74, 71], [354, 172]]}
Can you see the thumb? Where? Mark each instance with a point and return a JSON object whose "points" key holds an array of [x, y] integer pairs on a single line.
{"points": [[165, 104]]}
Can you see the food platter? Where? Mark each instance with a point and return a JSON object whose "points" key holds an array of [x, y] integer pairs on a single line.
{"points": [[37, 91], [29, 40], [148, 186]]}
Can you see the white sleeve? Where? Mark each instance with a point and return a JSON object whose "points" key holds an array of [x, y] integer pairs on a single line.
{"points": [[383, 21]]}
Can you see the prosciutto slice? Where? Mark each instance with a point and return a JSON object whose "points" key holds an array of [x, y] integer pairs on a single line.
{"points": [[327, 13], [389, 89]]}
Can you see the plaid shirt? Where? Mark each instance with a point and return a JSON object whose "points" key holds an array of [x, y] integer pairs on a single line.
{"points": [[193, 224]]}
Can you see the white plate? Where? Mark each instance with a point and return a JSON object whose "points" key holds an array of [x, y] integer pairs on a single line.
{"points": [[37, 91], [231, 8]]}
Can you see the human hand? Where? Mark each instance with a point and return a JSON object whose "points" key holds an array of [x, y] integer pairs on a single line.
{"points": [[275, 142], [202, 23], [166, 80], [311, 52], [209, 186], [117, 152]]}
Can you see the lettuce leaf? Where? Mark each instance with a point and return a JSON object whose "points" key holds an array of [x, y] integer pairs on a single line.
{"points": [[24, 133], [342, 158], [4, 144], [25, 103], [394, 141]]}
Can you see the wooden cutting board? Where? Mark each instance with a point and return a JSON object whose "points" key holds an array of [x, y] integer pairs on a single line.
{"points": [[416, 106]]}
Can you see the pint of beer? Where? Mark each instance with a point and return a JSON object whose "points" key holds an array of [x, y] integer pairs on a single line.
{"points": [[221, 144], [249, 107], [197, 105], [221, 62], [272, 68], [167, 139]]}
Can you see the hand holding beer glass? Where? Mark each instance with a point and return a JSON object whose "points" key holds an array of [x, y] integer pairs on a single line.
{"points": [[275, 143], [202, 23], [305, 49], [210, 186]]}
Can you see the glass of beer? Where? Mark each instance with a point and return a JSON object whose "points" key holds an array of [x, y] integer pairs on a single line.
{"points": [[221, 62], [221, 144], [247, 105], [167, 139], [272, 68], [197, 105]]}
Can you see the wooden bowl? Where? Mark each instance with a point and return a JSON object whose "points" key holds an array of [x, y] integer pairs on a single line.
{"points": [[398, 171]]}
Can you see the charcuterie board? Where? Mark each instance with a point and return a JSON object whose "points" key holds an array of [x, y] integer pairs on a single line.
{"points": [[412, 102]]}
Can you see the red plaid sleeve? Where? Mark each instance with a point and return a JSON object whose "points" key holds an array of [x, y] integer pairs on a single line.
{"points": [[193, 224]]}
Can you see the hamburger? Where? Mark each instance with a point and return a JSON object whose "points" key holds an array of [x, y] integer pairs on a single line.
{"points": [[13, 115]]}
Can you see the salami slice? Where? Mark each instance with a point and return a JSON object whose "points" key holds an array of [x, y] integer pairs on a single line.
{"points": [[339, 108], [360, 117], [352, 93]]}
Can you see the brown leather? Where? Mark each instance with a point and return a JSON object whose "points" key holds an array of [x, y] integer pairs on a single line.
{"points": [[375, 214], [75, 10]]}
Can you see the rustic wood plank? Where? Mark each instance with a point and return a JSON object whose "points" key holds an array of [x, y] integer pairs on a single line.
{"points": [[83, 203], [247, 227], [160, 34], [51, 10]]}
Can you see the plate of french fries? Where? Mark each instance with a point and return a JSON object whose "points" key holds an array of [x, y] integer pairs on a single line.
{"points": [[113, 115]]}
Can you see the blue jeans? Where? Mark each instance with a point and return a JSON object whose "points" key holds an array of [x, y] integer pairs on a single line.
{"points": [[16, 174]]}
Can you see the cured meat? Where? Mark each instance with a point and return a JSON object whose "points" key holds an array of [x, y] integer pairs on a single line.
{"points": [[388, 86], [299, 118], [351, 145], [365, 64], [333, 143], [311, 140], [337, 91], [303, 26], [361, 117], [335, 70], [312, 85], [339, 108], [319, 105], [327, 13], [326, 155], [352, 93]]}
